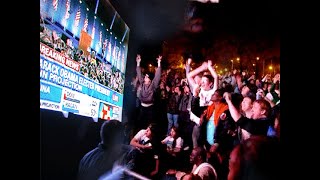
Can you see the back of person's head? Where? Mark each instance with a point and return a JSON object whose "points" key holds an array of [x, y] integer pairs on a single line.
{"points": [[228, 88], [236, 100], [112, 133], [252, 90], [252, 96], [255, 158], [218, 95], [220, 92], [152, 127], [190, 176]]}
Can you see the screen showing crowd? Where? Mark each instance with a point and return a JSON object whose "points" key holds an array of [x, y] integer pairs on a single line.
{"points": [[82, 59]]}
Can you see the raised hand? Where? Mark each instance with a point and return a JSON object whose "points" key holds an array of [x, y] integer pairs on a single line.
{"points": [[189, 60], [204, 65], [227, 96], [209, 63], [212, 69], [159, 58]]}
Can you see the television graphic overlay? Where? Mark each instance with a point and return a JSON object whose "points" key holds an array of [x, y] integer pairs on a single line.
{"points": [[82, 58]]}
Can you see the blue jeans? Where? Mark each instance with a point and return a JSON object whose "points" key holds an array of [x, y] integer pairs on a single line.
{"points": [[172, 121]]}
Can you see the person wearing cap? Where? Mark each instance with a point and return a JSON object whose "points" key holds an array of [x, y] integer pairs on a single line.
{"points": [[146, 96]]}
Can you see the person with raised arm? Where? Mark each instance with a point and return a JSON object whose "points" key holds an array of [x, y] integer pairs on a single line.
{"points": [[202, 93], [258, 123], [148, 87]]}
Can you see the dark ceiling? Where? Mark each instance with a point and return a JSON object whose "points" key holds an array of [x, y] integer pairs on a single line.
{"points": [[157, 19], [153, 21]]}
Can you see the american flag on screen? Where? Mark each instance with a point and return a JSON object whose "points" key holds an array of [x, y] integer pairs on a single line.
{"points": [[67, 15], [93, 31], [100, 38], [104, 48], [55, 4], [86, 23], [106, 112], [78, 17]]}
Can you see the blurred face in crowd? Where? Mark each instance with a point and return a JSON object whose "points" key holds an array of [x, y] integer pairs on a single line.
{"points": [[148, 132], [265, 86], [277, 76], [234, 71], [193, 156], [245, 90], [252, 81], [205, 83], [216, 97], [246, 104], [176, 76], [173, 133], [162, 85], [186, 89], [177, 90], [257, 82], [257, 111], [147, 80], [269, 87], [168, 88]]}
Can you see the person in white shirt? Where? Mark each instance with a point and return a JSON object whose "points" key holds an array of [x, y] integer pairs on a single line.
{"points": [[173, 141], [200, 168], [146, 161], [174, 145]]}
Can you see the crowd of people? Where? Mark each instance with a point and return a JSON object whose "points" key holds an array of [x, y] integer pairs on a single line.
{"points": [[195, 125], [91, 66]]}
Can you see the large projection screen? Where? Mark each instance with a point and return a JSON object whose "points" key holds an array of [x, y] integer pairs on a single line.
{"points": [[82, 58]]}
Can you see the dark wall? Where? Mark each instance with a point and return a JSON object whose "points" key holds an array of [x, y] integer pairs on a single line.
{"points": [[63, 143]]}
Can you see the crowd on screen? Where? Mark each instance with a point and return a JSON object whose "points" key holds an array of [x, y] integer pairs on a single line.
{"points": [[90, 66]]}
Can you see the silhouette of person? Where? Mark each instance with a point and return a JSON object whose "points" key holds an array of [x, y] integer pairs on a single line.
{"points": [[102, 158]]}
